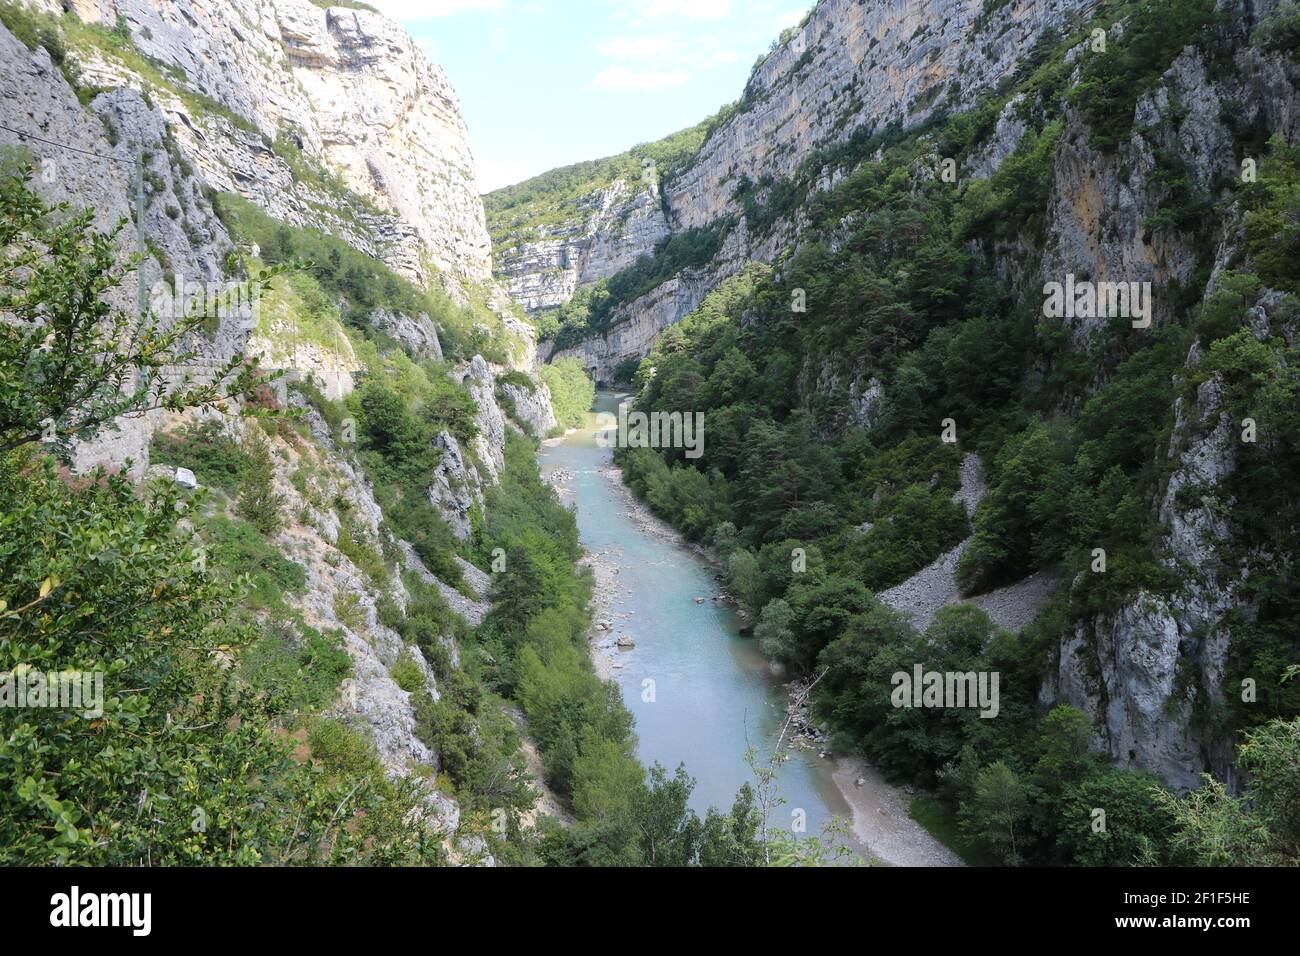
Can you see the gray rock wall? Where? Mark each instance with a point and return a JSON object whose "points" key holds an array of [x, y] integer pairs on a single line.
{"points": [[611, 229], [349, 89]]}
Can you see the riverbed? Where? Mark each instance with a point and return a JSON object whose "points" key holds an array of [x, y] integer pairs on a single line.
{"points": [[700, 691]]}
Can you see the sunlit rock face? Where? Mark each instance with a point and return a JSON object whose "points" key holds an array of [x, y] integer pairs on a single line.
{"points": [[854, 64], [611, 229], [850, 66], [285, 84]]}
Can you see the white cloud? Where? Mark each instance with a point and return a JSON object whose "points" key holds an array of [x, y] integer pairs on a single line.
{"points": [[620, 78], [410, 11]]}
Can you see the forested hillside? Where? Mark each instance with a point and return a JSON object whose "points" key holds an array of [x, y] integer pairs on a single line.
{"points": [[1130, 565], [332, 610]]}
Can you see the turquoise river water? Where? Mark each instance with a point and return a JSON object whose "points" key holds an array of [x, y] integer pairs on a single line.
{"points": [[714, 696]]}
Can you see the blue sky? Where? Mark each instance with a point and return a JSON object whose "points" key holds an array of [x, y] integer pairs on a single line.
{"points": [[545, 83]]}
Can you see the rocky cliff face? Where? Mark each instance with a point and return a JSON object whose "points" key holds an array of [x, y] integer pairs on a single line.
{"points": [[1149, 671], [1129, 670], [1144, 671], [98, 172], [612, 228], [854, 64], [325, 118], [288, 83], [851, 66], [638, 325], [330, 119], [532, 408]]}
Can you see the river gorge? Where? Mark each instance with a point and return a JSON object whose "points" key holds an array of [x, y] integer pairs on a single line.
{"points": [[700, 690]]}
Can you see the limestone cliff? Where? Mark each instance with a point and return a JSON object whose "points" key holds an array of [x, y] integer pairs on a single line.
{"points": [[848, 69], [255, 88], [1130, 670], [614, 226], [1151, 672], [853, 64], [323, 118]]}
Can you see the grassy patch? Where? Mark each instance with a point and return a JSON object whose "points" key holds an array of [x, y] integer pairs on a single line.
{"points": [[295, 311], [294, 667], [940, 821], [238, 545], [363, 285]]}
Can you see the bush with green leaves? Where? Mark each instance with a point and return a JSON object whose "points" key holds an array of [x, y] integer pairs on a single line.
{"points": [[239, 548], [294, 668], [257, 500], [407, 674], [572, 391], [205, 449], [1112, 81], [70, 364]]}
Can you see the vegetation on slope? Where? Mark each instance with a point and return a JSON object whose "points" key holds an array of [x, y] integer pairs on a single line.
{"points": [[523, 212], [215, 681], [101, 577], [363, 284], [817, 501], [591, 310], [572, 391]]}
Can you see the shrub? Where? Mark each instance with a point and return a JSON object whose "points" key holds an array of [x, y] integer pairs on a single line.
{"points": [[294, 667], [355, 543], [258, 500], [349, 611], [407, 673], [205, 449], [572, 391], [33, 30], [239, 548]]}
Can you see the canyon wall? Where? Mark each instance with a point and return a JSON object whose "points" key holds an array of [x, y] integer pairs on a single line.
{"points": [[329, 119], [1149, 671], [850, 66]]}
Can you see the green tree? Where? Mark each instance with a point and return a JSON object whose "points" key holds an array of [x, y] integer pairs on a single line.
{"points": [[257, 500], [1136, 830], [775, 633], [1261, 828], [70, 363], [997, 813], [746, 579], [668, 832], [731, 839], [1212, 828], [572, 391]]}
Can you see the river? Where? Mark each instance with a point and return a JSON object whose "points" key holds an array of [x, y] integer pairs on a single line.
{"points": [[712, 695]]}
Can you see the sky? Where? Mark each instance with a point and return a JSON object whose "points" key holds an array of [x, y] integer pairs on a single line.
{"points": [[546, 83]]}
